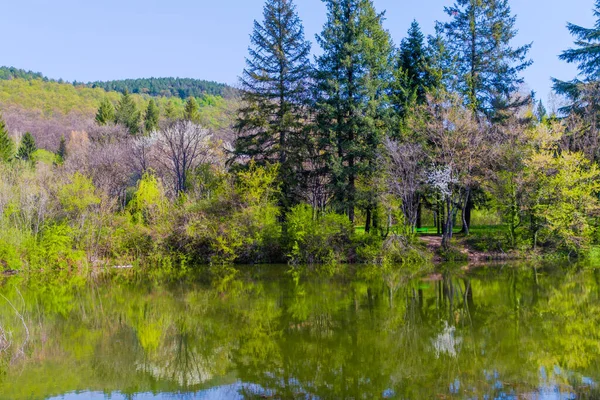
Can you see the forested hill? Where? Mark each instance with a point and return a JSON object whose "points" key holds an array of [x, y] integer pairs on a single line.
{"points": [[167, 87], [176, 87], [8, 73]]}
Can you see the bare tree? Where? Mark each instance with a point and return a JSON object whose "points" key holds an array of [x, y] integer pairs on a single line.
{"points": [[406, 176], [143, 152], [182, 146]]}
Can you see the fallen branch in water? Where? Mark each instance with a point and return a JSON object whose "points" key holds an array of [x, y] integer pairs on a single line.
{"points": [[22, 349]]}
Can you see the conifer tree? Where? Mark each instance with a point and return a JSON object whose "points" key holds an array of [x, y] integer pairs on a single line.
{"points": [[27, 147], [127, 114], [106, 113], [62, 149], [170, 111], [353, 75], [413, 77], [152, 117], [274, 87], [7, 146], [486, 66], [412, 60], [191, 112], [586, 55]]}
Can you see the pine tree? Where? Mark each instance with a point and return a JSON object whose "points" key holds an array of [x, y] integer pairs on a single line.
{"points": [[127, 114], [413, 77], [7, 146], [479, 38], [27, 147], [353, 75], [152, 117], [274, 86], [412, 60], [540, 111], [62, 149], [170, 111], [106, 113], [191, 111], [586, 55]]}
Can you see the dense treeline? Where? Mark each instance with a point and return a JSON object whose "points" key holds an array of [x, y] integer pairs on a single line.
{"points": [[8, 73], [167, 87], [389, 138]]}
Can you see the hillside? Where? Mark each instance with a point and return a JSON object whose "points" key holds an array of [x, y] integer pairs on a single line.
{"points": [[7, 73], [165, 87], [49, 109]]}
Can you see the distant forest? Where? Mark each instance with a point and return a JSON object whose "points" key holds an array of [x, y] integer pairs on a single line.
{"points": [[168, 87], [8, 73]]}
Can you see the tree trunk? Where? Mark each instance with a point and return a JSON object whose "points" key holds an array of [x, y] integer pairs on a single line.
{"points": [[351, 191], [466, 213], [368, 220]]}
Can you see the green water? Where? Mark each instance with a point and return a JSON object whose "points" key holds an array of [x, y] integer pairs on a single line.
{"points": [[497, 332]]}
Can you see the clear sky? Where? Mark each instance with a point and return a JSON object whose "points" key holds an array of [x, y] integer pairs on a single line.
{"points": [[87, 40]]}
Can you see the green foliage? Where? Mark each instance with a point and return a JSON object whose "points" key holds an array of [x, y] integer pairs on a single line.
{"points": [[168, 87], [56, 245], [149, 201], [79, 195], [106, 112], [413, 75], [352, 76], [486, 67], [564, 199], [191, 111], [152, 117], [10, 73], [274, 85], [27, 148], [170, 113], [127, 114], [7, 146], [238, 220], [585, 55], [62, 149], [45, 157], [325, 239]]}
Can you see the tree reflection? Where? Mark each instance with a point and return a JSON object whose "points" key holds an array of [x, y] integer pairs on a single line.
{"points": [[498, 330]]}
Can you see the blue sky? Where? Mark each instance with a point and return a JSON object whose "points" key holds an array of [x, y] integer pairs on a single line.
{"points": [[88, 40]]}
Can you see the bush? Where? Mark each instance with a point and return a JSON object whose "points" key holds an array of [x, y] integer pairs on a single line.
{"points": [[316, 239]]}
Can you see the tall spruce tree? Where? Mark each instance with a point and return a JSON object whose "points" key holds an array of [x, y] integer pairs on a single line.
{"points": [[152, 116], [170, 111], [274, 87], [62, 149], [412, 60], [27, 147], [191, 111], [413, 77], [106, 112], [7, 146], [486, 66], [586, 55], [353, 75], [127, 113]]}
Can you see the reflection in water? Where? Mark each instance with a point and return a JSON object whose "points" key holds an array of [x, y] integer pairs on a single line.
{"points": [[498, 332]]}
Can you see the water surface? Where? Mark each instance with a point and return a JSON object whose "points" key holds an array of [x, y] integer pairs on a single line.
{"points": [[496, 332]]}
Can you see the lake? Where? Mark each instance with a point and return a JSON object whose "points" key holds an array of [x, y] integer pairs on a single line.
{"points": [[492, 332]]}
